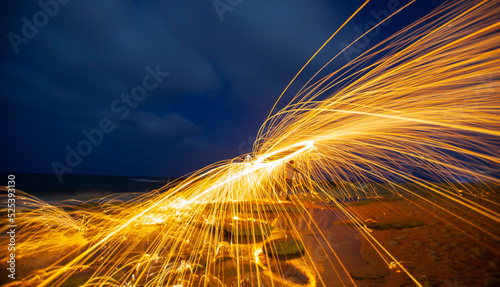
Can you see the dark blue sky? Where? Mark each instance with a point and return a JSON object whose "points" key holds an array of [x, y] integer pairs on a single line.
{"points": [[66, 64]]}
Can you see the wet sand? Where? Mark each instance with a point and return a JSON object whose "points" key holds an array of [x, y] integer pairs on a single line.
{"points": [[334, 249], [444, 251]]}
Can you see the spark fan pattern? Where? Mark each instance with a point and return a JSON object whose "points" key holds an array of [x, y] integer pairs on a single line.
{"points": [[414, 117]]}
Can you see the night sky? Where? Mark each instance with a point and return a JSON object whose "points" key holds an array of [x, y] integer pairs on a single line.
{"points": [[69, 68]]}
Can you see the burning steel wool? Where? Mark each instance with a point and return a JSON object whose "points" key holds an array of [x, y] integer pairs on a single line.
{"points": [[390, 124]]}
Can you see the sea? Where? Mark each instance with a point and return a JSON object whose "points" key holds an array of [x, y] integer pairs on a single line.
{"points": [[82, 187]]}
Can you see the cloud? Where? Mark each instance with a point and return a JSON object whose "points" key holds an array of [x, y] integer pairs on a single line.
{"points": [[224, 76], [166, 128]]}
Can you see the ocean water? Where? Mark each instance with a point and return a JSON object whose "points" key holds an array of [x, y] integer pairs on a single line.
{"points": [[48, 187]]}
